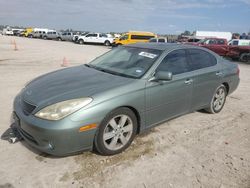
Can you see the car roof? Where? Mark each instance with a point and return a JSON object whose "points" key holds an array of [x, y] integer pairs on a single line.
{"points": [[163, 46]]}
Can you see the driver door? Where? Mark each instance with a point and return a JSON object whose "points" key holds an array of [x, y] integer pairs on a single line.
{"points": [[168, 99]]}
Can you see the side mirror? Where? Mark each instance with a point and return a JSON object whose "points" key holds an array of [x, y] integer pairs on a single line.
{"points": [[163, 76]]}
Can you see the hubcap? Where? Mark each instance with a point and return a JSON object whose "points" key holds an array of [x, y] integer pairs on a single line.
{"points": [[117, 132], [219, 99]]}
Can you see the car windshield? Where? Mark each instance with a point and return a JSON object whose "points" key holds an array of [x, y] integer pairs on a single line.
{"points": [[126, 61]]}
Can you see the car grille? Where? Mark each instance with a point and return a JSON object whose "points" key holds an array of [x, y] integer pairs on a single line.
{"points": [[27, 107]]}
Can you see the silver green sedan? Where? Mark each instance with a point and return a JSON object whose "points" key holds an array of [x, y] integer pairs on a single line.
{"points": [[104, 104]]}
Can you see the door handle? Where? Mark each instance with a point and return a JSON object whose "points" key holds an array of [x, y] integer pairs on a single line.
{"points": [[218, 73], [188, 81]]}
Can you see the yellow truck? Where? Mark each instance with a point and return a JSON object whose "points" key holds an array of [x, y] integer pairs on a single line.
{"points": [[27, 31], [134, 37]]}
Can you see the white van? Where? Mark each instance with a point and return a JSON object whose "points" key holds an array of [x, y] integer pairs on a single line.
{"points": [[239, 42]]}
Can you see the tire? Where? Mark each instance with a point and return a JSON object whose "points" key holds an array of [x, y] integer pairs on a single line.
{"points": [[107, 43], [119, 127], [245, 57], [218, 100], [59, 39], [45, 37], [81, 41]]}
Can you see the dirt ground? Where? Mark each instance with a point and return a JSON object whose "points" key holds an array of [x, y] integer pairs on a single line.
{"points": [[195, 150]]}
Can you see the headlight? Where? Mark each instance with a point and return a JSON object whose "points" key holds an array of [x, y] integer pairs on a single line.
{"points": [[62, 109]]}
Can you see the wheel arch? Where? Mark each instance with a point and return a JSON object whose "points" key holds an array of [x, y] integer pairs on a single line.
{"points": [[137, 115], [227, 86]]}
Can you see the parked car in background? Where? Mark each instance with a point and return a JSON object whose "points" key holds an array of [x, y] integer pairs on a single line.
{"points": [[221, 47], [159, 40], [126, 91], [52, 35], [7, 31], [26, 32], [66, 36], [97, 38], [239, 42], [76, 36], [38, 33], [16, 32], [133, 37]]}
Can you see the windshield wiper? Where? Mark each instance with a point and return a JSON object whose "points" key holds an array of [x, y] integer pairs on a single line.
{"points": [[110, 72]]}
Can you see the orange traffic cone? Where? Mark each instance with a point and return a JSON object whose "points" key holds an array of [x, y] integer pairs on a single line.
{"points": [[65, 62], [15, 46]]}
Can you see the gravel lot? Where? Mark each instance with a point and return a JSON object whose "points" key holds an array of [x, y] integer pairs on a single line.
{"points": [[195, 150]]}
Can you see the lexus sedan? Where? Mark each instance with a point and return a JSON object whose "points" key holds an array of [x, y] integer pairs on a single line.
{"points": [[104, 104]]}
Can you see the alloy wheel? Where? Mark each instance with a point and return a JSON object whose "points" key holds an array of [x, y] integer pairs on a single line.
{"points": [[118, 132], [219, 99]]}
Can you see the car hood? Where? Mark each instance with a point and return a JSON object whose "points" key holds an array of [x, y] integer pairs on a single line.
{"points": [[75, 82]]}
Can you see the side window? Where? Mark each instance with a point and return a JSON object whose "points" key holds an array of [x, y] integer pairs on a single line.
{"points": [[103, 35], [200, 59], [220, 42], [141, 37], [94, 35], [161, 40], [212, 42], [236, 42], [175, 62], [124, 37]]}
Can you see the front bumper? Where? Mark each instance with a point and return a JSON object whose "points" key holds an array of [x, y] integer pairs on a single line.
{"points": [[57, 138]]}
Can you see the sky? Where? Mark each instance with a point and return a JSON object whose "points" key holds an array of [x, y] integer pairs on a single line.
{"points": [[159, 16]]}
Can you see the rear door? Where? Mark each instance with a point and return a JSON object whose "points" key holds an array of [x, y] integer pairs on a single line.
{"points": [[207, 76], [166, 99]]}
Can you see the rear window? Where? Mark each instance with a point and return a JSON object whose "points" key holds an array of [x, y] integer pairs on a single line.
{"points": [[141, 37], [200, 59]]}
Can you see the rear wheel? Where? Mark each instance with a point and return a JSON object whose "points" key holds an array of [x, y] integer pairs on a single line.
{"points": [[245, 57], [107, 43], [218, 100], [116, 132], [59, 39]]}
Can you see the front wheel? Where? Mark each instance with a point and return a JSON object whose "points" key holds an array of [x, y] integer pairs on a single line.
{"points": [[218, 100], [81, 41], [116, 132]]}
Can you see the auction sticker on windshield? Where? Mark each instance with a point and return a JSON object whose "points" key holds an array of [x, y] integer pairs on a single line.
{"points": [[149, 55]]}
